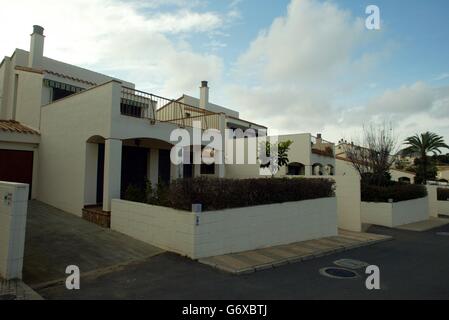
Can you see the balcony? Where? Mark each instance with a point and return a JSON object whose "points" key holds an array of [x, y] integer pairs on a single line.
{"points": [[140, 104]]}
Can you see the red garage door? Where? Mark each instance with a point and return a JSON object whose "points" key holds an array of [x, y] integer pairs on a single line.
{"points": [[16, 166]]}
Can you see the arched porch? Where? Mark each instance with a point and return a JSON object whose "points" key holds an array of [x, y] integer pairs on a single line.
{"points": [[296, 169], [317, 169], [112, 165], [329, 170], [405, 180]]}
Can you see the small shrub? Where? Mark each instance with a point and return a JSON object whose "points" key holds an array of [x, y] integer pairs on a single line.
{"points": [[158, 195], [217, 194], [134, 193], [443, 194], [397, 192]]}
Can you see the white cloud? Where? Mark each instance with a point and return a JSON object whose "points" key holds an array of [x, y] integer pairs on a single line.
{"points": [[410, 109], [184, 21], [305, 71], [299, 75], [313, 41], [442, 76], [119, 38], [404, 100], [292, 71]]}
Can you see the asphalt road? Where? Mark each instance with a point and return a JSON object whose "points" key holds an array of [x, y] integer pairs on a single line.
{"points": [[415, 265]]}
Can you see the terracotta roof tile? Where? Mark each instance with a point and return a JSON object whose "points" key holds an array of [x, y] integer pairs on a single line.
{"points": [[61, 75], [14, 126]]}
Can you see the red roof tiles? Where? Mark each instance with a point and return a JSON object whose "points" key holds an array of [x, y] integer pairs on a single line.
{"points": [[14, 126]]}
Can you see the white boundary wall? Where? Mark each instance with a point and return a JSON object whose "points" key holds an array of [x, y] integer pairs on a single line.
{"points": [[395, 214], [348, 202], [13, 213], [436, 207], [166, 228], [225, 231], [443, 208]]}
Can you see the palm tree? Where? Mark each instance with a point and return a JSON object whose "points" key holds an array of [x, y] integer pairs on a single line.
{"points": [[275, 155], [420, 146]]}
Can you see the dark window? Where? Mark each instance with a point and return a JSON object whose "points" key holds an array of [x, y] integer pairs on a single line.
{"points": [[130, 110], [295, 169], [164, 166], [61, 90], [207, 168], [187, 170], [100, 173], [60, 93], [134, 167], [232, 132]]}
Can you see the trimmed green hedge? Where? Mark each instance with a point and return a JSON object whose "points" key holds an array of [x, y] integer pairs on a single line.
{"points": [[217, 194], [442, 194], [398, 192]]}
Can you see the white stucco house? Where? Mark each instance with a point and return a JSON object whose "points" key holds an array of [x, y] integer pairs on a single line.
{"points": [[79, 138], [308, 156]]}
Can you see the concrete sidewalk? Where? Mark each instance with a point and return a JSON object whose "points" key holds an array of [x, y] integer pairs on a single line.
{"points": [[421, 226], [267, 258], [56, 239]]}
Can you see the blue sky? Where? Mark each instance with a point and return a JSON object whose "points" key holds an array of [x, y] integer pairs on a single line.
{"points": [[294, 65], [418, 29]]}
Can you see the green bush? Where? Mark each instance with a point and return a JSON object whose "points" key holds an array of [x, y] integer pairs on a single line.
{"points": [[442, 194], [397, 192], [134, 193], [217, 194]]}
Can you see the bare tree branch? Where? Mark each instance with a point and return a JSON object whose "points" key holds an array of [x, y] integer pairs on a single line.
{"points": [[374, 156]]}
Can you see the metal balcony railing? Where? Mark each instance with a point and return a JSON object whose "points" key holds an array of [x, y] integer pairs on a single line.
{"points": [[139, 104]]}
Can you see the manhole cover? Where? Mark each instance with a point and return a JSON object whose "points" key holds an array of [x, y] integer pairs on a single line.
{"points": [[351, 263], [7, 297], [338, 273], [443, 234]]}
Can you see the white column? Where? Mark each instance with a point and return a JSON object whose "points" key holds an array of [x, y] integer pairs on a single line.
{"points": [[153, 170], [112, 172], [308, 170], [222, 152], [90, 177]]}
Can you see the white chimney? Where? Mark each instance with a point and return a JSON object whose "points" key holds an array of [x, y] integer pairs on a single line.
{"points": [[36, 48], [204, 95]]}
